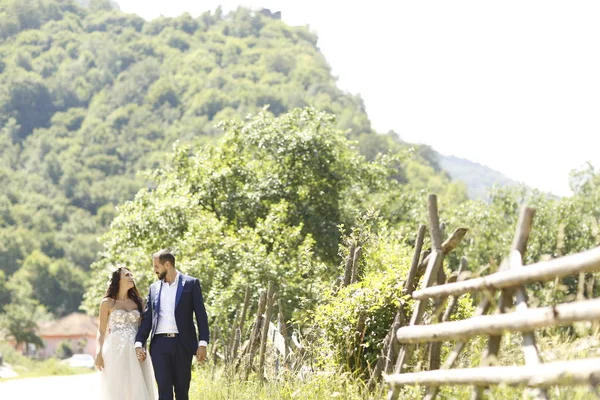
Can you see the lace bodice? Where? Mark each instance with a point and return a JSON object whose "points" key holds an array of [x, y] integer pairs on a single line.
{"points": [[123, 322]]}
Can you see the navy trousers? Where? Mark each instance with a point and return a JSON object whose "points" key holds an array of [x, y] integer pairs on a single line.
{"points": [[172, 367]]}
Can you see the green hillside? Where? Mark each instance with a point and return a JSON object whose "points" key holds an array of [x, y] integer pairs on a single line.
{"points": [[92, 97]]}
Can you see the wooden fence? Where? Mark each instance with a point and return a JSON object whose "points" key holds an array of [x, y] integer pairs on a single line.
{"points": [[509, 280], [265, 348]]}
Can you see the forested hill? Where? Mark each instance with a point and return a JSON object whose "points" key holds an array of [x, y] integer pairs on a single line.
{"points": [[90, 96]]}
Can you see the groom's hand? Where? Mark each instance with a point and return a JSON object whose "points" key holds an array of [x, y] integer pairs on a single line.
{"points": [[201, 353], [141, 354]]}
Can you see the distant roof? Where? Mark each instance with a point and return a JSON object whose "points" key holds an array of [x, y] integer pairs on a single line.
{"points": [[75, 324]]}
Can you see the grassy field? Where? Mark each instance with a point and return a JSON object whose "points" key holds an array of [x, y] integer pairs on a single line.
{"points": [[316, 387], [330, 385]]}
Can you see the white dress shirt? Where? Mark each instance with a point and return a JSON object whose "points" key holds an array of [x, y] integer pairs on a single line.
{"points": [[166, 314]]}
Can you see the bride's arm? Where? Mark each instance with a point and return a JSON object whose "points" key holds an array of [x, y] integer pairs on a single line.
{"points": [[104, 311]]}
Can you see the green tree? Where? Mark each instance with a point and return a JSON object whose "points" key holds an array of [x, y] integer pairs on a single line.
{"points": [[47, 278], [15, 245], [5, 295], [31, 103], [20, 321], [267, 207]]}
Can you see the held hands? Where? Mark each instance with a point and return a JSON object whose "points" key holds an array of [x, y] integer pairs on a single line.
{"points": [[201, 354], [99, 362], [141, 354]]}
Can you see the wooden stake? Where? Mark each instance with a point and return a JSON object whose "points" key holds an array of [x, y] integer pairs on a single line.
{"points": [[348, 271], [355, 265], [265, 330], [255, 335]]}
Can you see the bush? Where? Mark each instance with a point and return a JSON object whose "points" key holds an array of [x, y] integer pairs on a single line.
{"points": [[64, 350], [352, 322]]}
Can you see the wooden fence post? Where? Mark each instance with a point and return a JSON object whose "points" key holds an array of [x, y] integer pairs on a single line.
{"points": [[448, 245], [265, 330], [355, 258], [348, 270], [409, 283], [436, 347], [281, 326], [519, 245], [433, 391], [229, 346], [255, 335], [431, 274], [510, 279], [240, 324], [452, 305]]}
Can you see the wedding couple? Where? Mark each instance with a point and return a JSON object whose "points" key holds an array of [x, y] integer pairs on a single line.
{"points": [[128, 371]]}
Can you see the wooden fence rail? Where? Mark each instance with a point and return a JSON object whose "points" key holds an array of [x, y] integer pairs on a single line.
{"points": [[587, 261], [510, 281], [555, 373], [525, 321]]}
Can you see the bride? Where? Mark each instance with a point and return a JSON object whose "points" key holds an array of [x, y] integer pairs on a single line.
{"points": [[123, 376]]}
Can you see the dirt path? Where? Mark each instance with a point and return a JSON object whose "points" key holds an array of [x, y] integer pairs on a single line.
{"points": [[73, 387]]}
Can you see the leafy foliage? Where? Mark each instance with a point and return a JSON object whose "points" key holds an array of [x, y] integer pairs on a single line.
{"points": [[350, 324], [92, 96], [259, 206]]}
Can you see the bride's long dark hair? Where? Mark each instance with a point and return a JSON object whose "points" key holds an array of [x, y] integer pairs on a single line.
{"points": [[113, 288]]}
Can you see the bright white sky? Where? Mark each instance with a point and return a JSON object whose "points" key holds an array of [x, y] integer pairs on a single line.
{"points": [[514, 85]]}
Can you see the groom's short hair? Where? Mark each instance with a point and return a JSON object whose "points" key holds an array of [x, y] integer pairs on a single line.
{"points": [[165, 255]]}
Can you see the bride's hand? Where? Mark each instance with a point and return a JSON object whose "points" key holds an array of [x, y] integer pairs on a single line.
{"points": [[99, 362], [141, 354]]}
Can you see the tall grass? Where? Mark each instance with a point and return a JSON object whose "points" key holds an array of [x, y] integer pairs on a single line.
{"points": [[321, 385], [318, 386]]}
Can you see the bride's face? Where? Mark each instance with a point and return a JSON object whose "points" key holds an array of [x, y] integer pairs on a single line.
{"points": [[126, 279]]}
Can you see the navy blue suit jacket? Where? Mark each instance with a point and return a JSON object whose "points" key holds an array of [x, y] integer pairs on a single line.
{"points": [[188, 302]]}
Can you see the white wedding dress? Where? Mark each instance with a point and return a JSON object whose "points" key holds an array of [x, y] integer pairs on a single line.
{"points": [[123, 376]]}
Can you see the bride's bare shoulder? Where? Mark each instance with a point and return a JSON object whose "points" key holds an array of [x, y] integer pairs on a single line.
{"points": [[107, 303]]}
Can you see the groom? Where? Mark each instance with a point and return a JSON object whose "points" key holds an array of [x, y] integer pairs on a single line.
{"points": [[168, 320]]}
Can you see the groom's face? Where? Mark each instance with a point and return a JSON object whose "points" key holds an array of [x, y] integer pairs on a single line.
{"points": [[159, 269]]}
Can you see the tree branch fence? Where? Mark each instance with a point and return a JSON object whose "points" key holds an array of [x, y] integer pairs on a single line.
{"points": [[437, 290]]}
